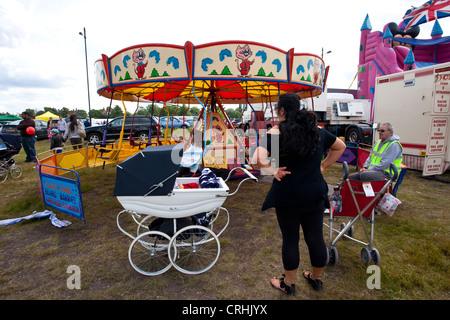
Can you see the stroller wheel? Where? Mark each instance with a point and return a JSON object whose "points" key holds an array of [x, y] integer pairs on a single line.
{"points": [[350, 231], [15, 171], [375, 256], [365, 255], [3, 174], [333, 255]]}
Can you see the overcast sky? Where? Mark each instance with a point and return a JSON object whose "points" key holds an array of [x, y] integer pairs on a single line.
{"points": [[42, 57]]}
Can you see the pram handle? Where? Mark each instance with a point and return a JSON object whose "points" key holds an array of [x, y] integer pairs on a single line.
{"points": [[393, 168], [250, 176], [344, 170]]}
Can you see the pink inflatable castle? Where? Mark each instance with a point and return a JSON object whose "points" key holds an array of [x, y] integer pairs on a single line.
{"points": [[396, 50]]}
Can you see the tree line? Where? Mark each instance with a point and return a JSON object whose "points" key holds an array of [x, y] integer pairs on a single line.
{"points": [[117, 111]]}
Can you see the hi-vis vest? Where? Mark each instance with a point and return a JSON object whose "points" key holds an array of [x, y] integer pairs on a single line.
{"points": [[378, 154]]}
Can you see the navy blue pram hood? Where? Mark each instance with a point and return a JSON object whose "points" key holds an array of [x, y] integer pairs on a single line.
{"points": [[9, 146], [13, 140], [151, 173]]}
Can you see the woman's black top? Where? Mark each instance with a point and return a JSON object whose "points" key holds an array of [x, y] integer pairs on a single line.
{"points": [[305, 187]]}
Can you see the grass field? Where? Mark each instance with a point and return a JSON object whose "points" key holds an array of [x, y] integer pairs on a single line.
{"points": [[35, 255]]}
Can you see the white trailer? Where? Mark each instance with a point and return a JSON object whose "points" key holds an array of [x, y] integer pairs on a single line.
{"points": [[417, 104]]}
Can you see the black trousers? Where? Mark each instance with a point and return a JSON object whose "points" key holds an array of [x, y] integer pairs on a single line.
{"points": [[290, 219], [76, 143]]}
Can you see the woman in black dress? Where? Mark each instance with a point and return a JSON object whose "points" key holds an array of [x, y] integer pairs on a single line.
{"points": [[299, 192]]}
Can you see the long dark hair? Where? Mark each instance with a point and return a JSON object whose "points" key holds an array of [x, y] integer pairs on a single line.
{"points": [[73, 122], [299, 134]]}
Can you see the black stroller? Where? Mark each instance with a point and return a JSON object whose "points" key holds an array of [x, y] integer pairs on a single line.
{"points": [[9, 147]]}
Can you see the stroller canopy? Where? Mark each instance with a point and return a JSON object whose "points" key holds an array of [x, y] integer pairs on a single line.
{"points": [[150, 172], [12, 140], [2, 145]]}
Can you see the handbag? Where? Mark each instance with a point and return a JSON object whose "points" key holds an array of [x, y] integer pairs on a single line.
{"points": [[388, 204], [81, 131], [336, 201]]}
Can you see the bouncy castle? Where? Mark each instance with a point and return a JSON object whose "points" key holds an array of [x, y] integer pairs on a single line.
{"points": [[397, 49]]}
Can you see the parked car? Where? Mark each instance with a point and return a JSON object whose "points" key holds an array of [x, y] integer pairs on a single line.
{"points": [[244, 126], [173, 122], [141, 128], [190, 120], [41, 128]]}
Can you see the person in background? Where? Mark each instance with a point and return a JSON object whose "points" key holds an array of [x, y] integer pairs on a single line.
{"points": [[387, 150], [50, 126], [192, 156], [28, 140], [87, 123], [62, 126], [57, 140], [72, 133], [299, 193]]}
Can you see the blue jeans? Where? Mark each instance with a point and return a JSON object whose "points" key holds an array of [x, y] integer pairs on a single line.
{"points": [[28, 147]]}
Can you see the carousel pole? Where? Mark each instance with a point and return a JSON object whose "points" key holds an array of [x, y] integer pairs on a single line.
{"points": [[83, 34]]}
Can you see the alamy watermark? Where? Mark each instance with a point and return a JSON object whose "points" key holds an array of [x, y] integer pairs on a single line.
{"points": [[374, 280], [216, 145], [74, 280]]}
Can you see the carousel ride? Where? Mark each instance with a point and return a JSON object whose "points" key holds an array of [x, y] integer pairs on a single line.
{"points": [[211, 75]]}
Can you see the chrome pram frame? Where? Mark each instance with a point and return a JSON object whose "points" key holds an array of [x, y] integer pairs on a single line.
{"points": [[364, 215]]}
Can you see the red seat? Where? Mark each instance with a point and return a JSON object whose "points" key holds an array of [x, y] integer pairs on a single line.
{"points": [[349, 208]]}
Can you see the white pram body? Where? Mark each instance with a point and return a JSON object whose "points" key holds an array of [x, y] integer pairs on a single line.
{"points": [[180, 202], [177, 226]]}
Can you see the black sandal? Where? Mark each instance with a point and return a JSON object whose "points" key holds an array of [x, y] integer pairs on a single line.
{"points": [[316, 284], [289, 290]]}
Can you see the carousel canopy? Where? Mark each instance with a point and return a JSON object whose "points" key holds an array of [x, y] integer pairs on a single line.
{"points": [[231, 71]]}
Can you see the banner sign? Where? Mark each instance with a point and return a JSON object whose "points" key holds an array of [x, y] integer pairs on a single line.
{"points": [[62, 193], [350, 155]]}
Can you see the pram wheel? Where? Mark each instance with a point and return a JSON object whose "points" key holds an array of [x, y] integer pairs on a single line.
{"points": [[370, 255], [365, 255], [15, 171], [333, 256], [375, 256], [194, 249], [3, 174], [350, 231], [148, 253]]}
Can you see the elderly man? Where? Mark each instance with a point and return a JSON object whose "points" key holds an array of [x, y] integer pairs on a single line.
{"points": [[387, 150]]}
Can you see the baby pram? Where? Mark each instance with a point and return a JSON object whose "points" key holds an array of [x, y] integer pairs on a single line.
{"points": [[178, 224], [9, 147], [350, 200]]}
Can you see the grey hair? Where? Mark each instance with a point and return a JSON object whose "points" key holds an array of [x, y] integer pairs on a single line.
{"points": [[389, 126]]}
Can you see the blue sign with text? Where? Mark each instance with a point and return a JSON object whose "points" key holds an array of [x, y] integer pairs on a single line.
{"points": [[62, 194]]}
